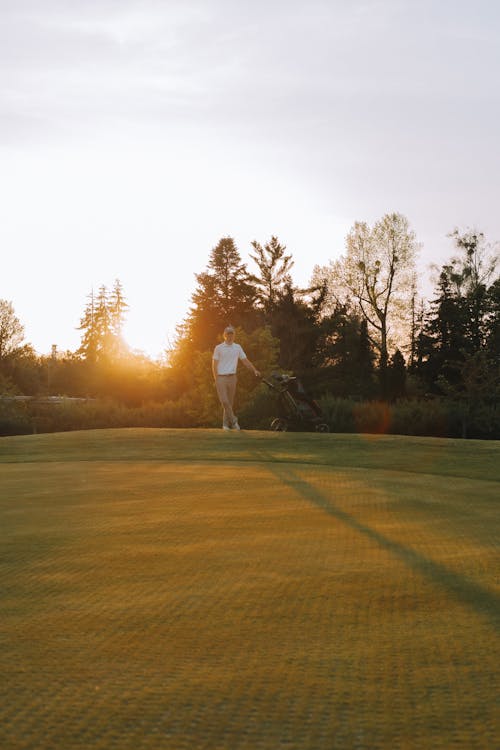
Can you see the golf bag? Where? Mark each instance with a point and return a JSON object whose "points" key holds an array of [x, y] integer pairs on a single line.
{"points": [[297, 410]]}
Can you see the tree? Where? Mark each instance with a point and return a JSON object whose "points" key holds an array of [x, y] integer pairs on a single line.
{"points": [[396, 376], [90, 338], [476, 392], [101, 324], [493, 333], [117, 311], [344, 355], [461, 321], [378, 269], [444, 332], [470, 273], [274, 267], [224, 295], [295, 322], [11, 331]]}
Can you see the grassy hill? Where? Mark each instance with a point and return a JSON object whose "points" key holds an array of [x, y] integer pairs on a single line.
{"points": [[197, 589]]}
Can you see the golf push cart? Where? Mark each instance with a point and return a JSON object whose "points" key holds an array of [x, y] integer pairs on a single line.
{"points": [[297, 410]]}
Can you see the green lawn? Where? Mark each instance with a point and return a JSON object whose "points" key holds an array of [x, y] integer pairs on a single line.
{"points": [[194, 589]]}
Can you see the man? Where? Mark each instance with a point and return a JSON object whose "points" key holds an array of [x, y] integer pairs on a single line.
{"points": [[224, 366]]}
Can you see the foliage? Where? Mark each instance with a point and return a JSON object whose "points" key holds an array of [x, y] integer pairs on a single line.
{"points": [[224, 295], [346, 337], [461, 330], [344, 356], [101, 325], [32, 417], [11, 331], [203, 404], [274, 267], [378, 270]]}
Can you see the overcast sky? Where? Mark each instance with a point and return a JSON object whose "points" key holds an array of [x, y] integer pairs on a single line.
{"points": [[135, 134]]}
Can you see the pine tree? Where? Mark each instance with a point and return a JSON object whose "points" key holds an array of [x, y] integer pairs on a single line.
{"points": [[444, 335], [117, 307], [470, 273], [459, 324], [224, 296], [90, 337], [396, 376], [296, 323], [101, 324], [493, 330], [274, 267]]}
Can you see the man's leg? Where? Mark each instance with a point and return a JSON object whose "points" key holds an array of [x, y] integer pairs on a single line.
{"points": [[226, 388], [231, 392]]}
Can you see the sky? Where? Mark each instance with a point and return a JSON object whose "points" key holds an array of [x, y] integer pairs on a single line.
{"points": [[135, 134]]}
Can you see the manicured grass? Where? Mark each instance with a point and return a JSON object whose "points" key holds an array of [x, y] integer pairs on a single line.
{"points": [[190, 589]]}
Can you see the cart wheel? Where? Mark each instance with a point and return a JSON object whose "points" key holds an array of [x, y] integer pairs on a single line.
{"points": [[322, 427], [279, 425]]}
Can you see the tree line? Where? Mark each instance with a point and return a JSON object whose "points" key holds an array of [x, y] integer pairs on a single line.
{"points": [[360, 333]]}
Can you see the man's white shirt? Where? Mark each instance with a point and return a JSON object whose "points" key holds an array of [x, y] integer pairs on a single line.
{"points": [[227, 356]]}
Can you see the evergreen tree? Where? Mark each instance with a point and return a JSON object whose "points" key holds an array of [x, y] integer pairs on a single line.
{"points": [[470, 273], [493, 327], [295, 322], [396, 376], [89, 345], [444, 337], [460, 322], [101, 325], [363, 364], [117, 310], [274, 267], [344, 355], [224, 295]]}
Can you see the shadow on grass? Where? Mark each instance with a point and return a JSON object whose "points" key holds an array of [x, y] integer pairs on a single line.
{"points": [[476, 597]]}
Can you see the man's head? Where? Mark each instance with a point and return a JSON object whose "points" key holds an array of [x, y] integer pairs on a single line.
{"points": [[229, 334]]}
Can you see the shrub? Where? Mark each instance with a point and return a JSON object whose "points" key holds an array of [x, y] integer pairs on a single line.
{"points": [[338, 413]]}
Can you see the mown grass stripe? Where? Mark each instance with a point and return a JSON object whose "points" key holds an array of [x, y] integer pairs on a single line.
{"points": [[252, 605]]}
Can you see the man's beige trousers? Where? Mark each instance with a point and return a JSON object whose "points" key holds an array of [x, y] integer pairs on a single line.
{"points": [[226, 389]]}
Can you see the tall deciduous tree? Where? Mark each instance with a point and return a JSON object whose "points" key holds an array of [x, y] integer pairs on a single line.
{"points": [[379, 271], [11, 331]]}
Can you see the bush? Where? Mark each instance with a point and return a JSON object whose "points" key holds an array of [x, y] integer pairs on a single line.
{"points": [[435, 417], [338, 413], [23, 418], [261, 409], [431, 418], [15, 418]]}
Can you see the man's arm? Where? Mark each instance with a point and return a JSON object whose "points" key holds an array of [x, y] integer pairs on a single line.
{"points": [[250, 367], [214, 368]]}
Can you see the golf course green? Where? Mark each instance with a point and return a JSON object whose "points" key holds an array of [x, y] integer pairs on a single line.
{"points": [[203, 590]]}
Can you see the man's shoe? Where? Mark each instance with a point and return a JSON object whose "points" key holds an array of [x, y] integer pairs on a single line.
{"points": [[236, 425], [226, 428]]}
